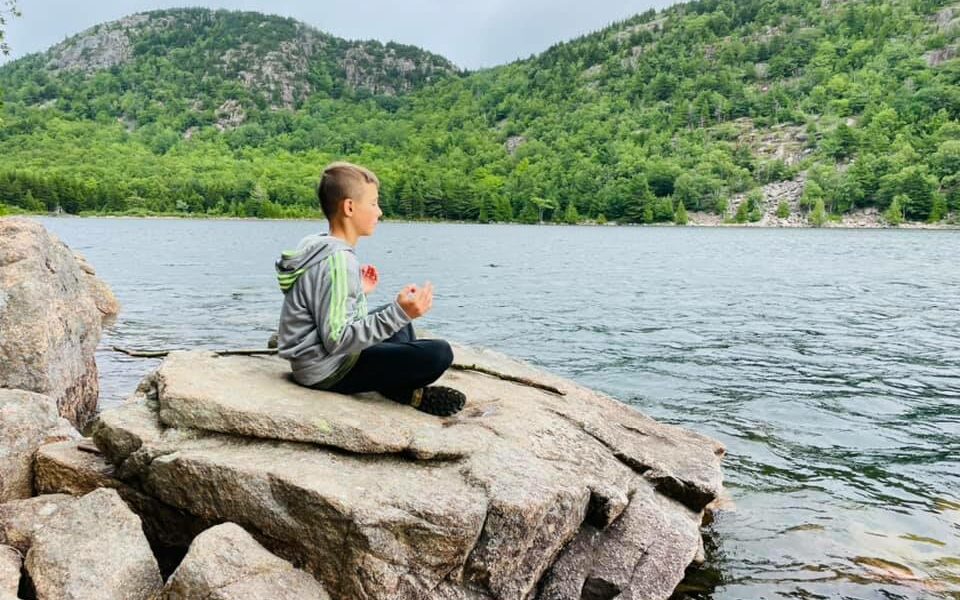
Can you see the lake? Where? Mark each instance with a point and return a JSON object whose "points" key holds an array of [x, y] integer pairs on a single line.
{"points": [[827, 361]]}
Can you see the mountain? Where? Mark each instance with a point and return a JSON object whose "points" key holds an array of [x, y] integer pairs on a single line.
{"points": [[197, 59], [738, 109]]}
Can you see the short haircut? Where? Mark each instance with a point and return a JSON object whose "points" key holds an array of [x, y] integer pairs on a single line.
{"points": [[342, 180]]}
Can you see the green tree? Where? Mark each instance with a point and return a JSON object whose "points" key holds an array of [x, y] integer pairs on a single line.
{"points": [[8, 8], [529, 214], [783, 210], [31, 204], [571, 216], [938, 210], [918, 187], [639, 201], [680, 216], [894, 213], [742, 214], [256, 203], [811, 193], [818, 216], [842, 143], [755, 205]]}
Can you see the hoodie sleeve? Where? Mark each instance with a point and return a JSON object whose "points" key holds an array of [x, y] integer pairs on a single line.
{"points": [[340, 315]]}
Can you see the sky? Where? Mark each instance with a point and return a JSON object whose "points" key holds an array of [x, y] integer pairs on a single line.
{"points": [[471, 33]]}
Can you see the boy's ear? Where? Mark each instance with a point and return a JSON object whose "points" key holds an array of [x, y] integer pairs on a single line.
{"points": [[348, 207]]}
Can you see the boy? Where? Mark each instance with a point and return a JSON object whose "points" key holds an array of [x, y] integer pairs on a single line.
{"points": [[326, 333]]}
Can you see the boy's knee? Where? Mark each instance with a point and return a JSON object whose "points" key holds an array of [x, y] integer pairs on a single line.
{"points": [[442, 354]]}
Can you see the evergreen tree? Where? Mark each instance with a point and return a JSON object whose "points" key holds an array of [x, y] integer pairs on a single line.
{"points": [[783, 210], [571, 216], [818, 216], [754, 205], [529, 213], [639, 202], [742, 215], [680, 216], [894, 213]]}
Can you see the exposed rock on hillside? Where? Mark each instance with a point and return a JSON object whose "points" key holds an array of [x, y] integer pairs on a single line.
{"points": [[780, 142], [525, 493]]}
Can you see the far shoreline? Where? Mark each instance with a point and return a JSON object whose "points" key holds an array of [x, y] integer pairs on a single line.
{"points": [[909, 225]]}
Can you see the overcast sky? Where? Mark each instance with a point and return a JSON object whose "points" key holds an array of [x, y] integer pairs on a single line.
{"points": [[471, 33]]}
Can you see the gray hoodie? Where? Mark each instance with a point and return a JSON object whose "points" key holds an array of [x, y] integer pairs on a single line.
{"points": [[324, 323]]}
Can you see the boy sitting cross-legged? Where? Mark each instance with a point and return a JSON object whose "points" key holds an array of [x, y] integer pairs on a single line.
{"points": [[326, 332]]}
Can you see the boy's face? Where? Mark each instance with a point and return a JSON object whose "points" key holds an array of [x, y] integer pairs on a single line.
{"points": [[364, 210]]}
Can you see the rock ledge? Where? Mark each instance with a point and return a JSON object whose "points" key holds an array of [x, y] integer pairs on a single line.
{"points": [[524, 494]]}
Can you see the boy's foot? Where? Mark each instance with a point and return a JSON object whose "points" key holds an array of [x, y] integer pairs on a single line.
{"points": [[438, 400]]}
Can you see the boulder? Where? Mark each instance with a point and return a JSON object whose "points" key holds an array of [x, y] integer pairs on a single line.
{"points": [[98, 289], [10, 563], [70, 468], [20, 519], [539, 488], [226, 563], [76, 467], [27, 420], [94, 549], [49, 319]]}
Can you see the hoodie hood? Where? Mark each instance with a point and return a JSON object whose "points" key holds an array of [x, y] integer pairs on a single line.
{"points": [[311, 250]]}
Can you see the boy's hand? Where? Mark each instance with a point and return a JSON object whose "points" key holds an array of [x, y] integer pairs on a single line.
{"points": [[370, 278], [415, 301]]}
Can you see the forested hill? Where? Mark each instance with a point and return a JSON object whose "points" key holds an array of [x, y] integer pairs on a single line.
{"points": [[712, 106], [190, 61]]}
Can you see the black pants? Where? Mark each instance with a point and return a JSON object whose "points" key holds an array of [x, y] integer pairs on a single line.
{"points": [[397, 366]]}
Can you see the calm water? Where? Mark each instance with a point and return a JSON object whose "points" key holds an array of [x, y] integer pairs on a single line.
{"points": [[828, 362]]}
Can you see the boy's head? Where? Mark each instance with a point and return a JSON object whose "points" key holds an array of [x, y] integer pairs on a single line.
{"points": [[350, 191]]}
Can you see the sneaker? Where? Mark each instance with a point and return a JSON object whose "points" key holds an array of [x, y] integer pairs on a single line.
{"points": [[438, 400]]}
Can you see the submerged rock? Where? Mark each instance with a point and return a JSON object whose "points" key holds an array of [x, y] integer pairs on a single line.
{"points": [[526, 493], [226, 563], [95, 549], [50, 322]]}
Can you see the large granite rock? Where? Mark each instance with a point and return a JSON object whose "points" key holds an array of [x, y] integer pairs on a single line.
{"points": [[27, 420], [50, 322], [526, 493], [98, 289], [10, 563], [226, 563], [94, 549], [20, 519], [75, 467]]}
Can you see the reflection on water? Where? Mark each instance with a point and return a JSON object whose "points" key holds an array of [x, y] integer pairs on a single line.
{"points": [[827, 361]]}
